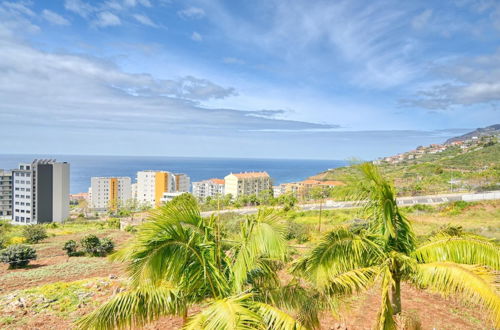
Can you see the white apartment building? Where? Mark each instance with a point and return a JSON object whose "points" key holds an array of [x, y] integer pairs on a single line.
{"points": [[5, 195], [182, 182], [151, 185], [40, 192], [247, 183], [208, 188], [109, 193]]}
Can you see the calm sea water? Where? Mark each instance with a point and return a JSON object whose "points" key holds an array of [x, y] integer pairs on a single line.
{"points": [[85, 167]]}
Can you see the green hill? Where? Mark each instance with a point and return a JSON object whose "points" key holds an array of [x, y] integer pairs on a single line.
{"points": [[452, 170]]}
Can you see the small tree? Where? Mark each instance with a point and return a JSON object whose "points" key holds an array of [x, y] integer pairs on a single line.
{"points": [[106, 247], [71, 248], [91, 244], [34, 233], [95, 247], [18, 255]]}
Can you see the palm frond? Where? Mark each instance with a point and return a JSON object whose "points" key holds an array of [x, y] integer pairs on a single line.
{"points": [[261, 237], [475, 283], [349, 282], [465, 249], [276, 319], [339, 251], [385, 314], [237, 312], [135, 308]]}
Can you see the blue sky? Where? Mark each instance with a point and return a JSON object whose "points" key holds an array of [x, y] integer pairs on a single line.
{"points": [[270, 79]]}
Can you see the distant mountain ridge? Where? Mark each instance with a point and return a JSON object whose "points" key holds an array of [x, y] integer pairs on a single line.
{"points": [[485, 131]]}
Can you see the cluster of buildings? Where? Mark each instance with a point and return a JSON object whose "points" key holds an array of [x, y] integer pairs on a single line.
{"points": [[152, 188], [302, 189], [36, 192], [465, 145]]}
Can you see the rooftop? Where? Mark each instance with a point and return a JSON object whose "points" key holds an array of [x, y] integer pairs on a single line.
{"points": [[247, 175]]}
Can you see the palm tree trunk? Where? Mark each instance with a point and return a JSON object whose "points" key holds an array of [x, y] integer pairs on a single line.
{"points": [[396, 295], [184, 317]]}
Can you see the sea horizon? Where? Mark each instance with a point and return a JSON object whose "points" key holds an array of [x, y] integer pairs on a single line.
{"points": [[83, 167]]}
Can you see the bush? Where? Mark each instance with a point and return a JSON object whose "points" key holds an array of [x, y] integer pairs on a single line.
{"points": [[71, 248], [130, 229], [298, 231], [34, 233], [113, 223], [107, 246], [3, 242], [95, 247], [17, 255], [91, 244]]}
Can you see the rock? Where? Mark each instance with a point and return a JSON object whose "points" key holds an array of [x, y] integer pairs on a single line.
{"points": [[112, 277]]}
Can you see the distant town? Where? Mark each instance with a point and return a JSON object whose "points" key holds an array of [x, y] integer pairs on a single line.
{"points": [[38, 192], [474, 142]]}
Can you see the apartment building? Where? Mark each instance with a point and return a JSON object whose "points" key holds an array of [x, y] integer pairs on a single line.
{"points": [[247, 183], [5, 195], [151, 186], [208, 188], [109, 193], [182, 182], [302, 189], [40, 192]]}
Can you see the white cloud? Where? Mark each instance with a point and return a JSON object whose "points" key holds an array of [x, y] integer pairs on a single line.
{"points": [[54, 18], [79, 7], [422, 19], [191, 12], [196, 36], [18, 7], [106, 18], [468, 81], [143, 19]]}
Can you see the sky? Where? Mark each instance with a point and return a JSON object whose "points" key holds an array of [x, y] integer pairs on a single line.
{"points": [[258, 79]]}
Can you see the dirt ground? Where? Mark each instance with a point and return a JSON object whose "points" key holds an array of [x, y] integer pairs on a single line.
{"points": [[433, 311]]}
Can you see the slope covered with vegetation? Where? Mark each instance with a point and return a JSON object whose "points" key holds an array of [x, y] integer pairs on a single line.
{"points": [[452, 170]]}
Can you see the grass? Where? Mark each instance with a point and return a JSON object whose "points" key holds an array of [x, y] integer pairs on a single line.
{"points": [[477, 217], [74, 266]]}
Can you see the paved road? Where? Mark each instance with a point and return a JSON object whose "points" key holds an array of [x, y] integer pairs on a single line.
{"points": [[403, 201]]}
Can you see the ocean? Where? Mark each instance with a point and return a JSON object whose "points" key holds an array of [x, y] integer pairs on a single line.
{"points": [[85, 167]]}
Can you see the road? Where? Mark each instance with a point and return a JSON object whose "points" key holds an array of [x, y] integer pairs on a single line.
{"points": [[403, 201]]}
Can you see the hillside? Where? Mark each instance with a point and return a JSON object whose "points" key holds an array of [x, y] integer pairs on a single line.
{"points": [[475, 168], [486, 131]]}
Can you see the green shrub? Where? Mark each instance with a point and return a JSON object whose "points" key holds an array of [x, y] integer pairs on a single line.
{"points": [[52, 225], [298, 231], [130, 229], [113, 223], [93, 246], [3, 242], [34, 233], [71, 248], [17, 256], [107, 246]]}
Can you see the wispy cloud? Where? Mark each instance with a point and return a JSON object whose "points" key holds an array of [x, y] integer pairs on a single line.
{"points": [[192, 12], [422, 19], [468, 81], [54, 18], [105, 19], [233, 60], [143, 19], [196, 36], [79, 7]]}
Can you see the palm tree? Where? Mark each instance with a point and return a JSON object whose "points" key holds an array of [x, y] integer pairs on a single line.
{"points": [[384, 250], [178, 260]]}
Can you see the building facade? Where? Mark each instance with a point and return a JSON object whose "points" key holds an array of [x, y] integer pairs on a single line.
{"points": [[5, 195], [151, 186], [109, 193], [40, 192], [238, 184], [182, 182], [208, 188]]}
